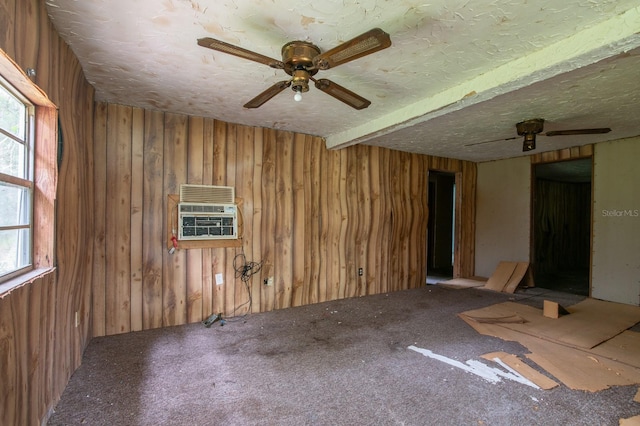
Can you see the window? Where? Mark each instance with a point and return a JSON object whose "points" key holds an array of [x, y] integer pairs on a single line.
{"points": [[16, 182]]}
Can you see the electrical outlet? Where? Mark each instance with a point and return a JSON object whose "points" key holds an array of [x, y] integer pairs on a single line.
{"points": [[219, 280], [360, 272], [269, 281]]}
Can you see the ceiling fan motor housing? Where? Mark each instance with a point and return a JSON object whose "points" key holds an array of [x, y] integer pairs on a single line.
{"points": [[530, 127], [298, 55], [298, 63]]}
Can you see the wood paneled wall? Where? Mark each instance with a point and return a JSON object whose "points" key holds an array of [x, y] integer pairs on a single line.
{"points": [[40, 346], [311, 216]]}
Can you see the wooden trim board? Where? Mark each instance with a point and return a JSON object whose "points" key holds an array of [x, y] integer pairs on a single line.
{"points": [[523, 369]]}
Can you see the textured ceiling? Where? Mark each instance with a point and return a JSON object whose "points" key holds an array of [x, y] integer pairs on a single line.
{"points": [[458, 72]]}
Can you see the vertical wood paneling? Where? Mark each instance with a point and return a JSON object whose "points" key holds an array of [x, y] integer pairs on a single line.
{"points": [[342, 216], [464, 265], [207, 179], [20, 363], [244, 190], [386, 239], [298, 223], [284, 219], [363, 205], [227, 268], [311, 186], [99, 299], [195, 156], [218, 261], [137, 190], [256, 218], [153, 215], [324, 223], [311, 216], [351, 213], [418, 220], [373, 269], [27, 12], [174, 285], [334, 224], [267, 233], [118, 220]]}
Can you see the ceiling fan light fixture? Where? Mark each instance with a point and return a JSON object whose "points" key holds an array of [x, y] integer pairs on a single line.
{"points": [[299, 83], [529, 142]]}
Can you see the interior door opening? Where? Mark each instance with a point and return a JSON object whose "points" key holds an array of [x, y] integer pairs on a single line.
{"points": [[441, 226], [562, 225]]}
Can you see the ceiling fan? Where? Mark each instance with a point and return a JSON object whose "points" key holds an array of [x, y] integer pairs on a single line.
{"points": [[530, 128], [302, 60]]}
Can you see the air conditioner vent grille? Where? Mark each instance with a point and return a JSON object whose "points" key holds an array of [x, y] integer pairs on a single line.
{"points": [[207, 194]]}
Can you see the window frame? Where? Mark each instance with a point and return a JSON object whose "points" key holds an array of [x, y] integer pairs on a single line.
{"points": [[27, 181], [45, 172]]}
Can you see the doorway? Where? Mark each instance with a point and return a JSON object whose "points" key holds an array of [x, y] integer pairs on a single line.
{"points": [[441, 226], [562, 225]]}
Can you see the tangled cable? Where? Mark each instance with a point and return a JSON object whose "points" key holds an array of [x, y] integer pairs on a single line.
{"points": [[244, 270]]}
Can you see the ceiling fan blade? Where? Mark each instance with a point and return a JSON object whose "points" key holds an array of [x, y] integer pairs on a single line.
{"points": [[342, 94], [221, 46], [491, 141], [268, 94], [578, 132], [364, 44]]}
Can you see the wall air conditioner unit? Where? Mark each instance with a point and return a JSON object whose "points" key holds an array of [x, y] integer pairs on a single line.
{"points": [[207, 213]]}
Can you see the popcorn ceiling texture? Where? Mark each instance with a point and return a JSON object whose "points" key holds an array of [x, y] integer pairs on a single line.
{"points": [[457, 71]]}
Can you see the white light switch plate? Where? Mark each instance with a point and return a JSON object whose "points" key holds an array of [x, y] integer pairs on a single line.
{"points": [[219, 280]]}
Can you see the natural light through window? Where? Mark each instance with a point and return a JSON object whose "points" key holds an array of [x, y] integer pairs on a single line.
{"points": [[16, 182]]}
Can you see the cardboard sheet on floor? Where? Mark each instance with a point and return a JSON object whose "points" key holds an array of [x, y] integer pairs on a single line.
{"points": [[579, 369], [501, 276], [611, 363], [464, 282], [516, 278], [631, 421], [589, 323], [508, 276], [625, 347], [525, 370]]}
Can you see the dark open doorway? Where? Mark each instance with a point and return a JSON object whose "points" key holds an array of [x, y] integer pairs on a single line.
{"points": [[562, 225], [440, 227]]}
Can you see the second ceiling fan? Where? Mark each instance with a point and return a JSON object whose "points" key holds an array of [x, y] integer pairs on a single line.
{"points": [[530, 128], [302, 60]]}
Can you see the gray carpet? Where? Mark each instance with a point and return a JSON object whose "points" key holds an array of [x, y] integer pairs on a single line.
{"points": [[337, 363]]}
